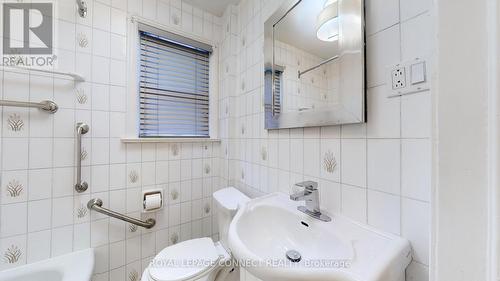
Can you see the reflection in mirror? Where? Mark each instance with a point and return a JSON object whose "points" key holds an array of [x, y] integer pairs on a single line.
{"points": [[314, 64]]}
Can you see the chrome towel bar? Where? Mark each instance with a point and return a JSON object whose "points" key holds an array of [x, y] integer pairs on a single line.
{"points": [[318, 65], [45, 105], [96, 205], [81, 129]]}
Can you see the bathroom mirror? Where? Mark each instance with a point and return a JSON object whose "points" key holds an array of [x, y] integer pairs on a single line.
{"points": [[314, 59]]}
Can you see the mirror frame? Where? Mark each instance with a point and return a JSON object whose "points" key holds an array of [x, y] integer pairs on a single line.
{"points": [[311, 118]]}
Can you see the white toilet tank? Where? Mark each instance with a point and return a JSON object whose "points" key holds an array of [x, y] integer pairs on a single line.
{"points": [[227, 201]]}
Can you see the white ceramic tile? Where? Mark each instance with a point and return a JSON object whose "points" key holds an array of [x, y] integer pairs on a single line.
{"points": [[384, 211], [117, 124], [383, 50], [381, 14], [40, 184], [40, 153], [99, 232], [118, 44], [416, 115], [64, 123], [66, 36], [354, 203], [117, 98], [100, 69], [411, 8], [148, 173], [100, 178], [163, 12], [64, 150], [416, 169], [417, 38], [384, 165], [101, 16], [117, 254], [100, 43], [149, 9], [117, 151], [118, 72], [13, 219], [39, 215], [117, 176], [415, 226], [38, 246], [100, 124], [64, 238], [312, 157], [15, 153], [383, 114], [353, 158], [118, 22], [62, 211], [100, 97]]}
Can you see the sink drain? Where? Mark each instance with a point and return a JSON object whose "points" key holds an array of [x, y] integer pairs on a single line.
{"points": [[293, 256]]}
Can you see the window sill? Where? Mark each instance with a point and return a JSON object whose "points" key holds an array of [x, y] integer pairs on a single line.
{"points": [[167, 140]]}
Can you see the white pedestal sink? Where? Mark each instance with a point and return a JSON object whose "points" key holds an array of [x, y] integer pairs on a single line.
{"points": [[266, 228]]}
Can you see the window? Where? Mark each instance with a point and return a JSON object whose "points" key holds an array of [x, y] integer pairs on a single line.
{"points": [[173, 85], [278, 83]]}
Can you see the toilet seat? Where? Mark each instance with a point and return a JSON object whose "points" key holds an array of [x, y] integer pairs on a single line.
{"points": [[185, 261]]}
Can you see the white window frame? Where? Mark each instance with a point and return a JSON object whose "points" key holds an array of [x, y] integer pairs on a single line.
{"points": [[133, 62]]}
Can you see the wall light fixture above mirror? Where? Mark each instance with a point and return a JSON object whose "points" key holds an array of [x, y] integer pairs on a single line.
{"points": [[314, 59]]}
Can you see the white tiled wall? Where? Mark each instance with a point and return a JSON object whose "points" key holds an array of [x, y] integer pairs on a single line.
{"points": [[42, 216], [316, 90], [383, 168], [381, 177]]}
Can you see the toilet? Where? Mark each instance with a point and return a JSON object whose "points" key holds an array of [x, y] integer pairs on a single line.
{"points": [[200, 259]]}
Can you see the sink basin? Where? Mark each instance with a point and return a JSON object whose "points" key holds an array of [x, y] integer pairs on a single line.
{"points": [[266, 228], [76, 266]]}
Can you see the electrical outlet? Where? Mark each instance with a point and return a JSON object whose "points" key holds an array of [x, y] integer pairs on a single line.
{"points": [[398, 78], [407, 77]]}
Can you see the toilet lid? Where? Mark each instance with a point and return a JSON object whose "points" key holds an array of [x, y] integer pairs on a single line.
{"points": [[185, 260]]}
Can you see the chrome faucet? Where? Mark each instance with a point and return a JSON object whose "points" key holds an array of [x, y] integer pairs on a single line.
{"points": [[310, 194]]}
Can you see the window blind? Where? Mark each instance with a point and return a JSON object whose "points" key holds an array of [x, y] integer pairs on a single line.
{"points": [[277, 91], [174, 87]]}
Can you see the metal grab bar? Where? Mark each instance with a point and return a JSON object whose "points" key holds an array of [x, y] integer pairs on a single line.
{"points": [[96, 205], [81, 129], [45, 105], [318, 65]]}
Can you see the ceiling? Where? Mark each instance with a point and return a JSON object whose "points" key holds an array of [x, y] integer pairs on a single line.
{"points": [[216, 7], [298, 29]]}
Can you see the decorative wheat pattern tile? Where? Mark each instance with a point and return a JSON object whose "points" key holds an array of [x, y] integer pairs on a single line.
{"points": [[207, 169], [84, 154], [329, 162], [12, 254], [133, 176], [83, 42], [263, 154], [175, 149], [133, 275], [174, 194], [81, 97], [82, 211], [206, 208], [14, 188], [15, 122], [174, 238], [132, 227]]}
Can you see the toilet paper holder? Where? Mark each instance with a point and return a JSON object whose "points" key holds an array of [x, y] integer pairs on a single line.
{"points": [[152, 200]]}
